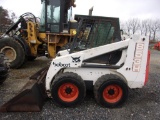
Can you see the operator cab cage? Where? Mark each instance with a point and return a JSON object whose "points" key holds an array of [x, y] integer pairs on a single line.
{"points": [[94, 31], [55, 15]]}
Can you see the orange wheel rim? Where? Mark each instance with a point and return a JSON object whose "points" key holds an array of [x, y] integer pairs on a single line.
{"points": [[112, 93], [68, 92]]}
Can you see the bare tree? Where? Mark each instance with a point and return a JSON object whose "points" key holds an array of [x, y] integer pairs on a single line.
{"points": [[128, 27], [149, 28], [134, 24], [155, 26], [123, 26], [5, 20], [4, 17], [141, 27], [13, 17], [145, 26]]}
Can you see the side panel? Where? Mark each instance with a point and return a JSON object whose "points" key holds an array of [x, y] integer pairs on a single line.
{"points": [[134, 69], [147, 67]]}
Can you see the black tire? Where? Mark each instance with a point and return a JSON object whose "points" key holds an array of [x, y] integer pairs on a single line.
{"points": [[3, 69], [68, 89], [1, 58], [2, 79], [110, 91], [17, 56]]}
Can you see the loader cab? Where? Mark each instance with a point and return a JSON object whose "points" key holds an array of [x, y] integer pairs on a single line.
{"points": [[55, 15], [95, 31]]}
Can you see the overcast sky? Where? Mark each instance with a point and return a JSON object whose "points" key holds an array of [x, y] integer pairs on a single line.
{"points": [[124, 9]]}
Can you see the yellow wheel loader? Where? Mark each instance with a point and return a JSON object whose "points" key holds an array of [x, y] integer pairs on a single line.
{"points": [[31, 37], [97, 59]]}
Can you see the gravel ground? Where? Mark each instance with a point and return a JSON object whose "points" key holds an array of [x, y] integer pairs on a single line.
{"points": [[142, 104]]}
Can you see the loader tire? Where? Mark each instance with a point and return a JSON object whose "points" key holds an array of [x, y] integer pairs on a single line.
{"points": [[13, 51], [3, 79], [110, 91], [68, 89], [3, 69]]}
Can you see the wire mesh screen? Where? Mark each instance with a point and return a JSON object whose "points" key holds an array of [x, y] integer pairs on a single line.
{"points": [[94, 32], [101, 34]]}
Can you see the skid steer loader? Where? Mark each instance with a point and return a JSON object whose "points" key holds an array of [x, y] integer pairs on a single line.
{"points": [[97, 60], [31, 37]]}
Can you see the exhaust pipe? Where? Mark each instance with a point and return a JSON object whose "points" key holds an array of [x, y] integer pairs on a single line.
{"points": [[90, 11]]}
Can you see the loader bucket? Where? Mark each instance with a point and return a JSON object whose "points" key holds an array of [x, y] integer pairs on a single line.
{"points": [[32, 96]]}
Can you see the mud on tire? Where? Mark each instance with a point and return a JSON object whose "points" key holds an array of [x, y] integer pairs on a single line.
{"points": [[68, 89], [13, 51], [110, 91]]}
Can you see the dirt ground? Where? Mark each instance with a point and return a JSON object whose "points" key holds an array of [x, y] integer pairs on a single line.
{"points": [[142, 104]]}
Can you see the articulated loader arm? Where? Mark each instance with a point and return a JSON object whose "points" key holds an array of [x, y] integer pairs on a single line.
{"points": [[21, 20], [14, 26]]}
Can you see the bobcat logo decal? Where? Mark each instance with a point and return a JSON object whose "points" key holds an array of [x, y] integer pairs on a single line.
{"points": [[76, 59]]}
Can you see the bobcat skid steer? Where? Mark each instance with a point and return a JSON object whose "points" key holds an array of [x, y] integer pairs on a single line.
{"points": [[97, 59]]}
